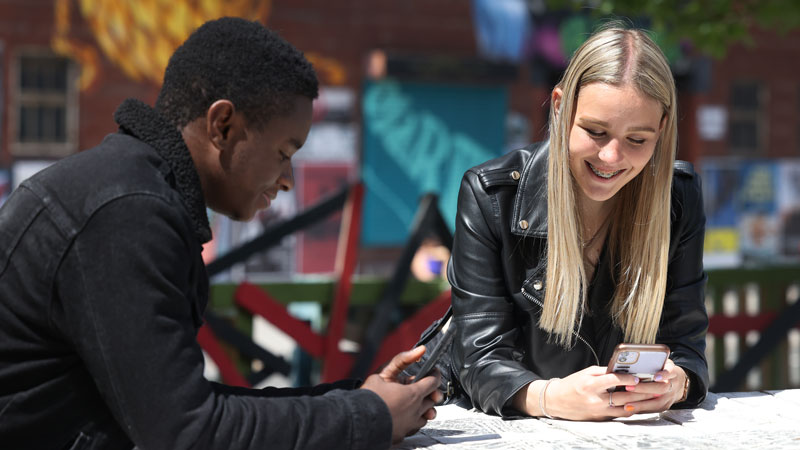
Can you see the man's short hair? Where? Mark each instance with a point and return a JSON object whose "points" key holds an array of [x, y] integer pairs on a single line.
{"points": [[237, 60]]}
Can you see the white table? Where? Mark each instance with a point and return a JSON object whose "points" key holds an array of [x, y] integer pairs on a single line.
{"points": [[736, 420]]}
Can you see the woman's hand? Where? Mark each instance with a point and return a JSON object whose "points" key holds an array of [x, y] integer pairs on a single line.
{"points": [[584, 395], [665, 390]]}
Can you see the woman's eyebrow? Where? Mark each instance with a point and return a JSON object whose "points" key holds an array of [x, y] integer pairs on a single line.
{"points": [[650, 129], [605, 124]]}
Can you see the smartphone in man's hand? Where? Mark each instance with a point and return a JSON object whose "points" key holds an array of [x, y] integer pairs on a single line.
{"points": [[437, 352]]}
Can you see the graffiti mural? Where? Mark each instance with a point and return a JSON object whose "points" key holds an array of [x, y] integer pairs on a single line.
{"points": [[421, 138], [140, 36]]}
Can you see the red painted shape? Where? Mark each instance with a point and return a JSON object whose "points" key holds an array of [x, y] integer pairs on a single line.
{"points": [[741, 324], [255, 300], [407, 333], [231, 376], [336, 364]]}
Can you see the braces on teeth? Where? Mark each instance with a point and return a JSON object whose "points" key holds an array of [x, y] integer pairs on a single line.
{"points": [[603, 174]]}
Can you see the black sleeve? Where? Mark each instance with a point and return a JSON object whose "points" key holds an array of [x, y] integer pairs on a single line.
{"points": [[125, 290], [484, 347], [684, 321]]}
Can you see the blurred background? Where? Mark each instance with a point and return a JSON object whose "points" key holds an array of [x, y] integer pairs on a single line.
{"points": [[413, 93]]}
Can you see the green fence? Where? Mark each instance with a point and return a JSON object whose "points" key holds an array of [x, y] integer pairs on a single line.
{"points": [[365, 293], [743, 303]]}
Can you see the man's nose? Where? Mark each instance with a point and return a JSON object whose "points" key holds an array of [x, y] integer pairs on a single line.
{"points": [[286, 180]]}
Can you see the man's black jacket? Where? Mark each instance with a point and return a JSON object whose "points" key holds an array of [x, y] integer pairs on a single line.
{"points": [[497, 273], [102, 290]]}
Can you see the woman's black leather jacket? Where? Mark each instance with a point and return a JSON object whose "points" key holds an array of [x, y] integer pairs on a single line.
{"points": [[497, 273]]}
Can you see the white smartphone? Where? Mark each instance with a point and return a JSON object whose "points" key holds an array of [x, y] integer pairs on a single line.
{"points": [[642, 360]]}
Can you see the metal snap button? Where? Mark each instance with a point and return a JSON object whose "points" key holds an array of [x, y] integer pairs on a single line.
{"points": [[523, 224], [515, 175], [537, 285]]}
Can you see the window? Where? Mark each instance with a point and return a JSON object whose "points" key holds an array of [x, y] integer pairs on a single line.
{"points": [[44, 117], [747, 129]]}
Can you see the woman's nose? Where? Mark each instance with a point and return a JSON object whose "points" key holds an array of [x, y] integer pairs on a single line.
{"points": [[611, 152]]}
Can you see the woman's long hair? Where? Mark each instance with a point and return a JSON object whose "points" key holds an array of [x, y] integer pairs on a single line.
{"points": [[640, 223]]}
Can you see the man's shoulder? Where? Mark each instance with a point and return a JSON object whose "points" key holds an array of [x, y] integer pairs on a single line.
{"points": [[119, 166], [118, 162]]}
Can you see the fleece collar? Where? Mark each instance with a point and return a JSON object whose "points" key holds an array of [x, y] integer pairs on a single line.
{"points": [[146, 124]]}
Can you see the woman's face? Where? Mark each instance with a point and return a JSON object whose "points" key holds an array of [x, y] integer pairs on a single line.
{"points": [[612, 138]]}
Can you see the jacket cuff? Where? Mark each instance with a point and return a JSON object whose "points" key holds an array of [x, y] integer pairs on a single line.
{"points": [[371, 422], [697, 391], [508, 410]]}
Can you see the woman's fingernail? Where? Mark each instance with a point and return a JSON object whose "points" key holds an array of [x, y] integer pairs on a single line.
{"points": [[658, 378], [629, 408], [630, 388], [635, 380]]}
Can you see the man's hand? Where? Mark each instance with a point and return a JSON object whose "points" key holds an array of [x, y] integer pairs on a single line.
{"points": [[392, 372], [411, 405]]}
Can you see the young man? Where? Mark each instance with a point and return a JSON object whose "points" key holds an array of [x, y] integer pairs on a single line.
{"points": [[103, 288]]}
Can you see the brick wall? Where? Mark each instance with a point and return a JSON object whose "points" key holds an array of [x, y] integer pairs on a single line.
{"points": [[774, 60], [346, 31]]}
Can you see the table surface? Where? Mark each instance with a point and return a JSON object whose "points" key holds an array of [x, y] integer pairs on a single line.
{"points": [[746, 420]]}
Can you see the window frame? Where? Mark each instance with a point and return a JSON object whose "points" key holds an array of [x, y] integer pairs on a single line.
{"points": [[758, 116], [18, 99]]}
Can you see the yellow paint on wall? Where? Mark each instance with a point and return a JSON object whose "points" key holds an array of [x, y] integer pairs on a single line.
{"points": [[139, 36], [721, 240]]}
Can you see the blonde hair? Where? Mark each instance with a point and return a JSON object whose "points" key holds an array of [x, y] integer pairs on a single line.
{"points": [[640, 222]]}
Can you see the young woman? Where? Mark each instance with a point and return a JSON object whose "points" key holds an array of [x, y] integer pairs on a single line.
{"points": [[565, 249]]}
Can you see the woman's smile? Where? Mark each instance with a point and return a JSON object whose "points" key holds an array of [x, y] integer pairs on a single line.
{"points": [[603, 174]]}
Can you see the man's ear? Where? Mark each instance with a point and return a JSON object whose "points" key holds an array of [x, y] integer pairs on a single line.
{"points": [[555, 100], [219, 119]]}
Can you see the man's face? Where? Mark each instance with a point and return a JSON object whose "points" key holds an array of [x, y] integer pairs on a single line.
{"points": [[259, 164]]}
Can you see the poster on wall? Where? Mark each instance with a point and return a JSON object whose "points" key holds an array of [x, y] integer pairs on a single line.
{"points": [[325, 165], [758, 225], [5, 185], [317, 244], [421, 138], [788, 207], [720, 186], [752, 211]]}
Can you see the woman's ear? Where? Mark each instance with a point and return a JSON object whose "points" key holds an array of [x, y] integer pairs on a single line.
{"points": [[219, 119], [555, 100]]}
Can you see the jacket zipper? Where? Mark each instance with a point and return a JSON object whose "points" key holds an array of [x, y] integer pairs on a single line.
{"points": [[576, 333]]}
